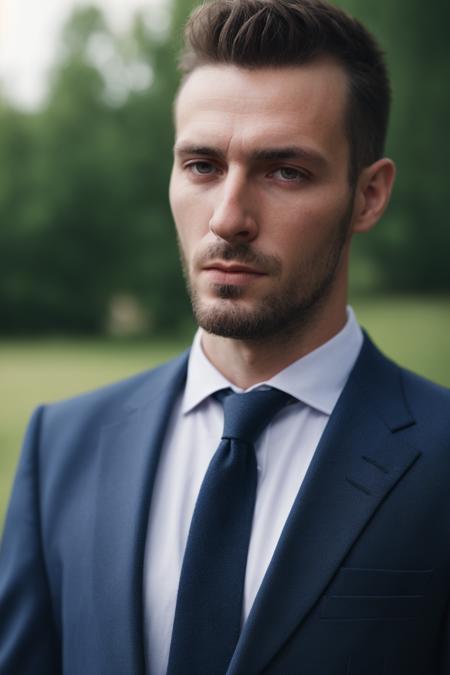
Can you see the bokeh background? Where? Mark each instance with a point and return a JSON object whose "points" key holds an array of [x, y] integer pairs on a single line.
{"points": [[90, 287]]}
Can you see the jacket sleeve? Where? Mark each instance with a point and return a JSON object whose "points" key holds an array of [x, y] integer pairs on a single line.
{"points": [[28, 639]]}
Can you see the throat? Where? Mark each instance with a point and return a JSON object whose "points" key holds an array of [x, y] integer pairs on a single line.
{"points": [[247, 362]]}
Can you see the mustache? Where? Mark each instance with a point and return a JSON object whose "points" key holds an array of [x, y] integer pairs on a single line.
{"points": [[239, 253]]}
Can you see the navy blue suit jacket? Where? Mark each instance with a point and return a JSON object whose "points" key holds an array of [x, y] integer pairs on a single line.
{"points": [[359, 583]]}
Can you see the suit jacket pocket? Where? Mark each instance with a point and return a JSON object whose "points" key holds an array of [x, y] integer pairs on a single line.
{"points": [[374, 594]]}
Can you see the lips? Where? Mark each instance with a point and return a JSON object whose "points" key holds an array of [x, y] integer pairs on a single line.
{"points": [[231, 273], [233, 268]]}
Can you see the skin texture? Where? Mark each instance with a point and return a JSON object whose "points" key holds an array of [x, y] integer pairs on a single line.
{"points": [[264, 210]]}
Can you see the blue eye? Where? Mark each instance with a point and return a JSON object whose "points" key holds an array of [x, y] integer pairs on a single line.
{"points": [[201, 168], [287, 173]]}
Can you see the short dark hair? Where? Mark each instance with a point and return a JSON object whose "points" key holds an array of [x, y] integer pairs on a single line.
{"points": [[276, 33]]}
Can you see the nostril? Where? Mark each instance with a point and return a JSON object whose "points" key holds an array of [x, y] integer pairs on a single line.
{"points": [[243, 234], [232, 229]]}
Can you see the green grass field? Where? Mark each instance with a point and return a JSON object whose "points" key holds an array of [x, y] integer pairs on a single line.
{"points": [[413, 331]]}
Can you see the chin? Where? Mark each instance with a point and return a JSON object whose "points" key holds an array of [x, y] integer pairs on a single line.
{"points": [[231, 320]]}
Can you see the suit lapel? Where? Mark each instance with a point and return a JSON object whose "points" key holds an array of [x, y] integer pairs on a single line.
{"points": [[128, 458], [359, 460]]}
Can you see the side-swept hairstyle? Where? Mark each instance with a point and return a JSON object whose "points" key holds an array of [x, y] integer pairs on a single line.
{"points": [[276, 33]]}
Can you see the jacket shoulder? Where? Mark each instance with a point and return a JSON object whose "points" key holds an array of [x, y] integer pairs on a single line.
{"points": [[104, 404], [403, 398], [429, 401]]}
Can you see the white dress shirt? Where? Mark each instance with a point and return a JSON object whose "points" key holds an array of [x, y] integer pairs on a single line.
{"points": [[283, 452]]}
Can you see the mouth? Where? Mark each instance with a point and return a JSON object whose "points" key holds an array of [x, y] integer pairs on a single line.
{"points": [[219, 272]]}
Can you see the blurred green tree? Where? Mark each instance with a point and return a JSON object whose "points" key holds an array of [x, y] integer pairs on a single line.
{"points": [[18, 228], [91, 217], [408, 251]]}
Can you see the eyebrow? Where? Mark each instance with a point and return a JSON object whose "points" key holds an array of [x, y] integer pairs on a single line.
{"points": [[203, 150], [263, 154], [290, 152]]}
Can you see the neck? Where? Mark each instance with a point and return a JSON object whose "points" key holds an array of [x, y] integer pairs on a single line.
{"points": [[247, 362]]}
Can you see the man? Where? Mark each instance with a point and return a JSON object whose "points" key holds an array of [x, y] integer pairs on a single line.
{"points": [[131, 546]]}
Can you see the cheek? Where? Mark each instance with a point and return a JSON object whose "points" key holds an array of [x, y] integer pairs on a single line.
{"points": [[189, 217], [180, 209], [300, 235], [175, 197], [191, 211], [294, 228]]}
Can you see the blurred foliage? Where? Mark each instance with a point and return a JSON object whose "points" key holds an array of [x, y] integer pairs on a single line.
{"points": [[409, 250], [84, 215]]}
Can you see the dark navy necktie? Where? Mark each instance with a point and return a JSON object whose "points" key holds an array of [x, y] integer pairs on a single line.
{"points": [[210, 594]]}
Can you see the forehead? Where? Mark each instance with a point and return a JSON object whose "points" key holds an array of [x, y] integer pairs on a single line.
{"points": [[233, 107]]}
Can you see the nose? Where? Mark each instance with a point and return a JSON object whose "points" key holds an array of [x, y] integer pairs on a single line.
{"points": [[234, 218]]}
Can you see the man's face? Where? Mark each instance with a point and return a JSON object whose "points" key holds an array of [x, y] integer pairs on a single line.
{"points": [[260, 195]]}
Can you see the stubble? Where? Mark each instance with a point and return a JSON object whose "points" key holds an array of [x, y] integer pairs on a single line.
{"points": [[289, 308]]}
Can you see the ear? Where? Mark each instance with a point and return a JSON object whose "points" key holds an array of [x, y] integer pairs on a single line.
{"points": [[372, 195]]}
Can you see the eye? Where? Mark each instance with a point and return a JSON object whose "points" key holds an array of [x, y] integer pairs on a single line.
{"points": [[201, 168], [289, 174]]}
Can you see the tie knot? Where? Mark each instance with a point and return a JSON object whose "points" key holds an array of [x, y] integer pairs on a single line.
{"points": [[247, 415]]}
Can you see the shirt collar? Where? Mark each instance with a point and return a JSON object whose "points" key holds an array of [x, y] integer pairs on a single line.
{"points": [[316, 379]]}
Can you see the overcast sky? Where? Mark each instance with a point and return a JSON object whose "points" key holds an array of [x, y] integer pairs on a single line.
{"points": [[28, 32]]}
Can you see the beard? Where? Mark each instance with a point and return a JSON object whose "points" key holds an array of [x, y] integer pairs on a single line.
{"points": [[289, 308]]}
